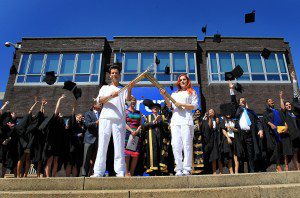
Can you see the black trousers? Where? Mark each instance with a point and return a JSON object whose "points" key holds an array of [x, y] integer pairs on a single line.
{"points": [[89, 153], [248, 146]]}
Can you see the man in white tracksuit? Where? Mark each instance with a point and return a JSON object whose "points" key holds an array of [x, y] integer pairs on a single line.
{"points": [[112, 121], [182, 125]]}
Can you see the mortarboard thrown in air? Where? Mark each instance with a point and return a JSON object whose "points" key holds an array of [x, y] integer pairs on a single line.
{"points": [[266, 53], [250, 17], [234, 74], [50, 78], [71, 86]]}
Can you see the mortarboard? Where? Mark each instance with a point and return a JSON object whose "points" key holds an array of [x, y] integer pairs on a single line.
{"points": [[239, 88], [50, 78], [203, 29], [171, 87], [71, 86], [265, 53], [157, 61], [237, 71], [217, 38], [77, 92], [250, 17], [167, 70], [229, 76], [149, 103]]}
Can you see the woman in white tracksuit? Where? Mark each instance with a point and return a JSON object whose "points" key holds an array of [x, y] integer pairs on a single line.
{"points": [[182, 126]]}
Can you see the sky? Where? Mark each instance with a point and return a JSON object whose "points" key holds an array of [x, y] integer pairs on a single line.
{"points": [[65, 18]]}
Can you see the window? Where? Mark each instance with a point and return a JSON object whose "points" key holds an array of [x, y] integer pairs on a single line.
{"points": [[134, 63], [78, 67], [255, 67]]}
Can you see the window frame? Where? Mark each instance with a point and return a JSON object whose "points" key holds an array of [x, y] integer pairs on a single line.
{"points": [[250, 73], [171, 62], [58, 72]]}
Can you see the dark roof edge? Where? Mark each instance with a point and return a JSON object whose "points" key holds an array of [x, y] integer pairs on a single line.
{"points": [[246, 37], [155, 37], [77, 37]]}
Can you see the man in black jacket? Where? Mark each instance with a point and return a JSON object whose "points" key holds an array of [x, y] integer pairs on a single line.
{"points": [[90, 138], [249, 128]]}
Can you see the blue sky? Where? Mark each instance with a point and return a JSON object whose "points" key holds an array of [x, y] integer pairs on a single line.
{"points": [[55, 18]]}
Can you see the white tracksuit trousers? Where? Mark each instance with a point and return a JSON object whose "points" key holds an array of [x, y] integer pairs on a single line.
{"points": [[117, 128], [182, 139]]}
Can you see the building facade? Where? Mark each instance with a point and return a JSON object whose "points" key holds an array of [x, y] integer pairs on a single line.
{"points": [[84, 60]]}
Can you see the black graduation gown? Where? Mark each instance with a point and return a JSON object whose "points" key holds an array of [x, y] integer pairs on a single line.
{"points": [[228, 150], [276, 147], [293, 130], [4, 134], [53, 128], [75, 143], [211, 141]]}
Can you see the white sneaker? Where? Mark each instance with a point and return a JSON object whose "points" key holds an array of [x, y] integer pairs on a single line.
{"points": [[95, 176], [179, 173], [185, 172], [120, 175]]}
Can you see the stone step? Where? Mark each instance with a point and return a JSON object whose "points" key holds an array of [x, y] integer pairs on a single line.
{"points": [[261, 191], [158, 182]]}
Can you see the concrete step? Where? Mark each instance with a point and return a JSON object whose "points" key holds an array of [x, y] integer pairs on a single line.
{"points": [[158, 182], [261, 191]]}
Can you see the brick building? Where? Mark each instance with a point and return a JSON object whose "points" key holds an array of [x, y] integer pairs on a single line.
{"points": [[84, 60]]}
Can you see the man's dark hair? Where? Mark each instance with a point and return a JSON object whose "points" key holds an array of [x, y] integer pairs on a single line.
{"points": [[115, 67]]}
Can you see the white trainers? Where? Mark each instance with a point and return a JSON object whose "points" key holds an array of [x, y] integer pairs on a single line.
{"points": [[95, 176], [185, 172], [179, 173]]}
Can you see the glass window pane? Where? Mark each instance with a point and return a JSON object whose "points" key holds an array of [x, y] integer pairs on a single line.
{"points": [[96, 64], [32, 79], [213, 62], [225, 62], [164, 58], [20, 79], [222, 77], [146, 60], [240, 59], [65, 78], [215, 77], [281, 63], [24, 64], [255, 63], [94, 78], [36, 64], [244, 77], [131, 62], [83, 64], [271, 65], [129, 77], [67, 64], [52, 62], [82, 78], [191, 62], [163, 77], [257, 77], [273, 77], [192, 77], [118, 57], [179, 62], [285, 77]]}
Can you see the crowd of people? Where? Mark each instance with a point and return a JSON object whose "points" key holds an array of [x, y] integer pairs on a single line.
{"points": [[114, 138]]}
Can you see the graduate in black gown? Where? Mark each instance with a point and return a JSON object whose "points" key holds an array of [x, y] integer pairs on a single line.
{"points": [[292, 114], [278, 143], [54, 130], [75, 133], [8, 121], [26, 133], [212, 142]]}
